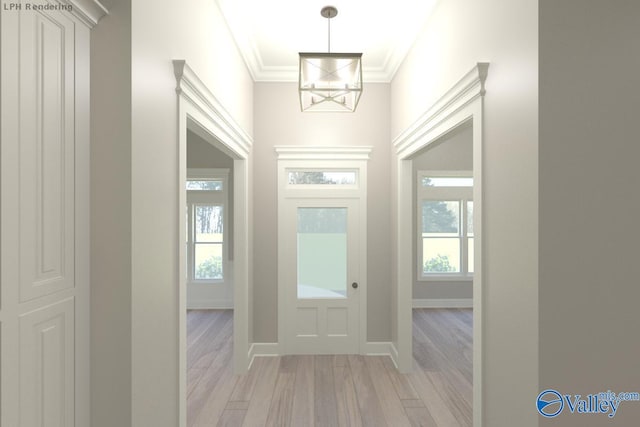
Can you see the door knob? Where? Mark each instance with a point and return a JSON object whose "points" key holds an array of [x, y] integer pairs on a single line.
{"points": [[354, 285]]}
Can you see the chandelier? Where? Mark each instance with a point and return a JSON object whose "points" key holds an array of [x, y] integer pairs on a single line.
{"points": [[330, 81]]}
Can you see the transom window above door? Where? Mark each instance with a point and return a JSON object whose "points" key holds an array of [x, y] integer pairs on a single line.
{"points": [[322, 177], [205, 185]]}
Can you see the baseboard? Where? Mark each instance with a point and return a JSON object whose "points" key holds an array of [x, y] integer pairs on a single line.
{"points": [[443, 303], [378, 348], [393, 354], [267, 349], [263, 349], [209, 304]]}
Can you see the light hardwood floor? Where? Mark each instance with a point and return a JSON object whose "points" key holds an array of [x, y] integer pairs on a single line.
{"points": [[331, 391]]}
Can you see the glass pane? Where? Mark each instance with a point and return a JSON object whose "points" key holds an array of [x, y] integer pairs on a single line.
{"points": [[208, 261], [322, 252], [208, 223], [470, 255], [204, 185], [440, 218], [322, 177], [440, 255], [469, 218], [449, 181]]}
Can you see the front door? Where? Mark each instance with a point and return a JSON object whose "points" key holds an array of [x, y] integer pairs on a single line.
{"points": [[321, 281]]}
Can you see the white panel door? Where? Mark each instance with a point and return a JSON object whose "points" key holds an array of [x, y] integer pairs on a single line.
{"points": [[321, 250], [44, 253]]}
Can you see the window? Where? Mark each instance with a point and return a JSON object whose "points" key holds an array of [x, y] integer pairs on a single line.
{"points": [[321, 177], [206, 230], [207, 242], [445, 224]]}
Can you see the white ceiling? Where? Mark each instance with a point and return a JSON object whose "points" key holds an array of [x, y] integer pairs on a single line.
{"points": [[270, 34]]}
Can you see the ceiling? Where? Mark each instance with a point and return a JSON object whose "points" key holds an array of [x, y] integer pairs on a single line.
{"points": [[270, 34]]}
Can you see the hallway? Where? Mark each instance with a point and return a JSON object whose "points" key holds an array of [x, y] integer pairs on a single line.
{"points": [[332, 390]]}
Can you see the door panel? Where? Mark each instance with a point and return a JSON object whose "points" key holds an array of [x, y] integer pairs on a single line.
{"points": [[44, 312], [46, 366], [322, 255]]}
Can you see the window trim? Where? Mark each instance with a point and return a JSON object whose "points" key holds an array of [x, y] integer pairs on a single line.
{"points": [[461, 194], [214, 197]]}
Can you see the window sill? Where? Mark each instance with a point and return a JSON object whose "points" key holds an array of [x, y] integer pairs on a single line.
{"points": [[207, 282], [446, 278]]}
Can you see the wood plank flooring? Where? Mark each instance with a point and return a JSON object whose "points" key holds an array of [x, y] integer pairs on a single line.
{"points": [[336, 390]]}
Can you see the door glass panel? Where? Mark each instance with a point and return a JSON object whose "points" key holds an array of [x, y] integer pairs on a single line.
{"points": [[322, 253]]}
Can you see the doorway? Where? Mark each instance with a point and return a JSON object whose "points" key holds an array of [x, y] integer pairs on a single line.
{"points": [[443, 272], [322, 259], [202, 114], [209, 253], [460, 105]]}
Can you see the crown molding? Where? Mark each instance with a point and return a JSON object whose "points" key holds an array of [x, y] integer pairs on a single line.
{"points": [[466, 90], [268, 73], [189, 85], [88, 11], [296, 152]]}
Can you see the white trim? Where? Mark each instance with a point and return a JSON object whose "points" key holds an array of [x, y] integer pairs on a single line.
{"points": [[453, 277], [225, 128], [325, 158], [292, 152], [89, 12], [377, 348], [274, 349], [443, 303], [209, 304], [444, 174], [393, 353], [200, 111], [212, 173], [465, 91], [462, 104], [263, 349]]}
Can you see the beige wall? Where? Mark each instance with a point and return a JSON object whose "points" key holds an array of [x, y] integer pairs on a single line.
{"points": [[278, 121], [111, 218], [195, 31], [589, 203], [505, 33], [452, 152]]}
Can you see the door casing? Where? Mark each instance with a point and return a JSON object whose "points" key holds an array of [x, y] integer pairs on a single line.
{"points": [[323, 159]]}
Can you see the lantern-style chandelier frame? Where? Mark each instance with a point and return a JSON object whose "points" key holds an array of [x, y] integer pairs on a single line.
{"points": [[330, 82]]}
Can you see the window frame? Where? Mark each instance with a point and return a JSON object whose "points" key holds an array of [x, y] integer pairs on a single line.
{"points": [[207, 197], [453, 193]]}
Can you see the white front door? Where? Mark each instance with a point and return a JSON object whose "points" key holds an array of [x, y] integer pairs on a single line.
{"points": [[322, 277]]}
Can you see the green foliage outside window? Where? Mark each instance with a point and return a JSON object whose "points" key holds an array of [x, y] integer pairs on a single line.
{"points": [[439, 264], [211, 268]]}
